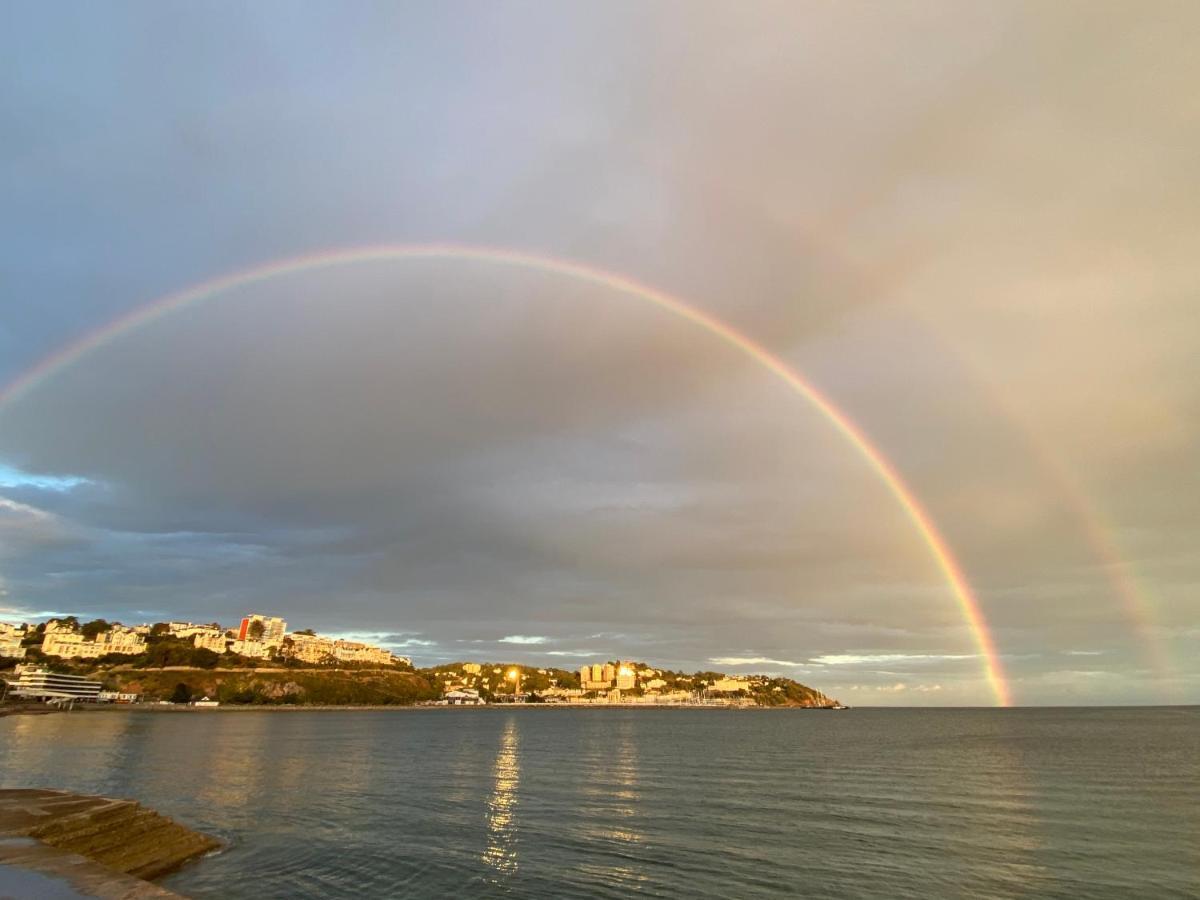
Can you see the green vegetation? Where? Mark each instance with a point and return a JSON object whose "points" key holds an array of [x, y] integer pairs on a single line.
{"points": [[93, 628], [377, 687], [182, 693]]}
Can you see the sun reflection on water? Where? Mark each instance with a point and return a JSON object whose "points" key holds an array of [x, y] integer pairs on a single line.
{"points": [[501, 852]]}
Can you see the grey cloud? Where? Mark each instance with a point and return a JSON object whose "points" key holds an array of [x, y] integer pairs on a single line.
{"points": [[974, 237]]}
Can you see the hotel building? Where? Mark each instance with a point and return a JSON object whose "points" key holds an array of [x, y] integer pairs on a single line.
{"points": [[64, 641], [41, 684]]}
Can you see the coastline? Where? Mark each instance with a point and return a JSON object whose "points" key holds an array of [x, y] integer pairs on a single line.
{"points": [[173, 709]]}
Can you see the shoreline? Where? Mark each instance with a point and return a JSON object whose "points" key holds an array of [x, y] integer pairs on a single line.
{"points": [[153, 708]]}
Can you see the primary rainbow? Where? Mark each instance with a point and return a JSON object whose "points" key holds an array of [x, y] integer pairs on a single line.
{"points": [[874, 457]]}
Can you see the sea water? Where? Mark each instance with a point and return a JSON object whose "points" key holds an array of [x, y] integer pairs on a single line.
{"points": [[552, 803]]}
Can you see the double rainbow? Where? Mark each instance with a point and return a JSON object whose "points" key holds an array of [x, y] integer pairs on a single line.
{"points": [[874, 457]]}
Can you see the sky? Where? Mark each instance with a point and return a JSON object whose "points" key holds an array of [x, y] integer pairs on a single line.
{"points": [[973, 227]]}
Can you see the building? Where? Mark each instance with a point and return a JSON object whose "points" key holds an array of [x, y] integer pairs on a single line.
{"points": [[252, 649], [216, 641], [64, 641], [729, 685], [626, 677], [118, 697], [462, 697], [10, 641], [317, 650], [602, 676], [472, 668], [41, 684], [310, 648], [191, 629], [273, 629]]}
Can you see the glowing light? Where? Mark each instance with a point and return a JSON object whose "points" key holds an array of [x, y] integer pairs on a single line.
{"points": [[872, 455]]}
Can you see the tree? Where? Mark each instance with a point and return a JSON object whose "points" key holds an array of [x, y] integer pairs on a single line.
{"points": [[203, 658], [255, 631], [94, 627], [183, 693], [159, 628]]}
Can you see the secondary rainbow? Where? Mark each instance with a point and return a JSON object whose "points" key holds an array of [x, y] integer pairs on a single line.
{"points": [[871, 454]]}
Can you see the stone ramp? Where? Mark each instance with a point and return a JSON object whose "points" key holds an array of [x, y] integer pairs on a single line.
{"points": [[121, 835], [29, 868]]}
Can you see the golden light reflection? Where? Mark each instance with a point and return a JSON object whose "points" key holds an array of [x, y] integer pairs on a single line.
{"points": [[614, 796], [501, 852]]}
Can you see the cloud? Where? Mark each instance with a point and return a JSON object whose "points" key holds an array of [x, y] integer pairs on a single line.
{"points": [[752, 661], [523, 639], [11, 477], [858, 659], [993, 275]]}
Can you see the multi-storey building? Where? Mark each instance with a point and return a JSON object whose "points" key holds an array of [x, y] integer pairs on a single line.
{"points": [[353, 651], [313, 648], [599, 676], [191, 629], [273, 629], [216, 641], [310, 648], [730, 685], [626, 677], [42, 684], [252, 649], [10, 640], [62, 640]]}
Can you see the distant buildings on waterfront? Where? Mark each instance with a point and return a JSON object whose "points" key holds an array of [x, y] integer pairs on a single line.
{"points": [[40, 684], [257, 636], [609, 682]]}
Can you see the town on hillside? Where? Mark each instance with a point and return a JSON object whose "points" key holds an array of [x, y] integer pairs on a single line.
{"points": [[260, 662], [257, 637]]}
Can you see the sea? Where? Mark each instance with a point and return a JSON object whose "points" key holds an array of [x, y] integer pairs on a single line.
{"points": [[703, 803]]}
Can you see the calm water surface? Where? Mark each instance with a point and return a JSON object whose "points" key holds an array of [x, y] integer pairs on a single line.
{"points": [[675, 803]]}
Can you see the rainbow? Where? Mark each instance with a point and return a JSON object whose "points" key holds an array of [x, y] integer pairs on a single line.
{"points": [[967, 602], [1098, 530]]}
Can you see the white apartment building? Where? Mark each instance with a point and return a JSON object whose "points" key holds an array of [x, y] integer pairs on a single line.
{"points": [[311, 648], [316, 649], [211, 640], [41, 684], [730, 685], [252, 649], [598, 676], [10, 640], [353, 651], [191, 629], [273, 629], [64, 641]]}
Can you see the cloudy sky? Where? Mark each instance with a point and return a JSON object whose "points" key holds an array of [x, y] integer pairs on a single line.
{"points": [[973, 226]]}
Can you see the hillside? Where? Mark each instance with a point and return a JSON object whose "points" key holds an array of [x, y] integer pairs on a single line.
{"points": [[301, 687], [234, 683]]}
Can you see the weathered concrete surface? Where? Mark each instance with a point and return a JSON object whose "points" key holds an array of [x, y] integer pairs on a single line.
{"points": [[120, 835], [29, 868]]}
